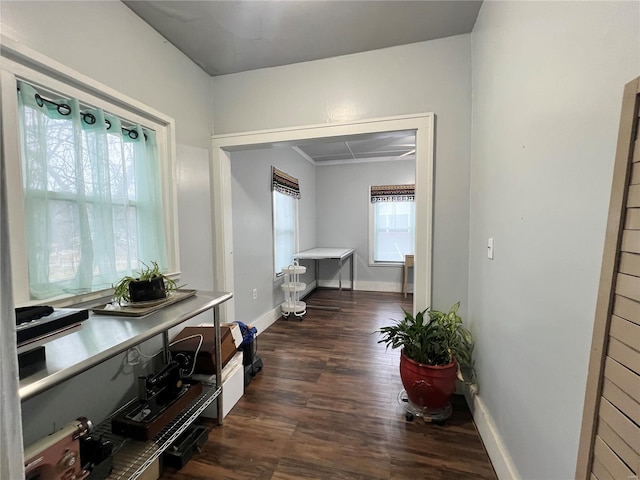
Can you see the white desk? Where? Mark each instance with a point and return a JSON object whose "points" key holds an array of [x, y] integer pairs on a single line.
{"points": [[328, 253]]}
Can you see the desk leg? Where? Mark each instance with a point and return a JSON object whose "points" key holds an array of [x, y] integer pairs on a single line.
{"points": [[322, 307], [352, 277], [340, 277]]}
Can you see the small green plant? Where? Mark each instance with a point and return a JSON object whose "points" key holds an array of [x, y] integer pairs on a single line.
{"points": [[433, 338], [121, 289]]}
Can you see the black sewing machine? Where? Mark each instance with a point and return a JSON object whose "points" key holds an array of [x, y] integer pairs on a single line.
{"points": [[161, 397]]}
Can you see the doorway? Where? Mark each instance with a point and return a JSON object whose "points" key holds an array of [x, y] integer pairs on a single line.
{"points": [[224, 145]]}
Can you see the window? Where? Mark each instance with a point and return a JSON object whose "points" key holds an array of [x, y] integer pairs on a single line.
{"points": [[90, 183], [92, 195], [286, 192], [392, 223]]}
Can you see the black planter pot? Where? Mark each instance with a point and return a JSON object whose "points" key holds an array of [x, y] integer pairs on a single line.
{"points": [[145, 290]]}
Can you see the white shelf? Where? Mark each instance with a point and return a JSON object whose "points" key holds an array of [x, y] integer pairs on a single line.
{"points": [[294, 270], [294, 287], [294, 307]]}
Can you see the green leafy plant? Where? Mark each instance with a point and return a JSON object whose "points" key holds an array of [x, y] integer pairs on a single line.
{"points": [[433, 338], [147, 273]]}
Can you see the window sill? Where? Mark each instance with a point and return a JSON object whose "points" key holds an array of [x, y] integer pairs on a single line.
{"points": [[386, 264]]}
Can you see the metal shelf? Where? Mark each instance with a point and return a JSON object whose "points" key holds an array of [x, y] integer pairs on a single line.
{"points": [[104, 336], [132, 457]]}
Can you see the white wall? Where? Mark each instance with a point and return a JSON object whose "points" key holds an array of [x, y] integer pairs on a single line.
{"points": [[253, 225], [423, 77], [343, 218], [547, 88], [110, 44]]}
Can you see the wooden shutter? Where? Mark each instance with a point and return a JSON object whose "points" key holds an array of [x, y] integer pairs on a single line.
{"points": [[610, 437]]}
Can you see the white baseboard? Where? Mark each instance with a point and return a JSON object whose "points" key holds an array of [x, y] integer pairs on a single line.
{"points": [[268, 318], [310, 288], [495, 446], [367, 286]]}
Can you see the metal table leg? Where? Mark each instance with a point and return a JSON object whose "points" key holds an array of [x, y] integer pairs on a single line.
{"points": [[325, 307]]}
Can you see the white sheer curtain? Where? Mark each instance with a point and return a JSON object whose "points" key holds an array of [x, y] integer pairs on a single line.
{"points": [[284, 230], [93, 201], [11, 454]]}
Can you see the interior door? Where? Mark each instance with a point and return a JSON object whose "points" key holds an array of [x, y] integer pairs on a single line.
{"points": [[610, 437]]}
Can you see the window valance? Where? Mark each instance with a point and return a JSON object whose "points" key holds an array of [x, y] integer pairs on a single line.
{"points": [[285, 183], [393, 193]]}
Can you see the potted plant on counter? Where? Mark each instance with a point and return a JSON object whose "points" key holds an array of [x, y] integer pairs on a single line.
{"points": [[151, 284], [436, 350]]}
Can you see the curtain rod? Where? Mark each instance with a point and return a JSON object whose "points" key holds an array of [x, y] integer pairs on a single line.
{"points": [[89, 118]]}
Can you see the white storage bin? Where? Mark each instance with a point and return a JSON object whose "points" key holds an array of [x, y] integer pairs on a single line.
{"points": [[232, 387]]}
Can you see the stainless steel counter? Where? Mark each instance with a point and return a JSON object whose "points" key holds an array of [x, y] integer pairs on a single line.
{"points": [[103, 336]]}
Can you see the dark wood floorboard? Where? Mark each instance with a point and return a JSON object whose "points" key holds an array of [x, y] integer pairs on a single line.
{"points": [[325, 407]]}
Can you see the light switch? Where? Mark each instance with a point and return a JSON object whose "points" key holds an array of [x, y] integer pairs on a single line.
{"points": [[490, 248]]}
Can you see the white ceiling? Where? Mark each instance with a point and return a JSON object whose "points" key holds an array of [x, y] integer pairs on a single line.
{"points": [[226, 37], [359, 148]]}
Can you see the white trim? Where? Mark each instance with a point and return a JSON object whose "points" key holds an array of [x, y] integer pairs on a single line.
{"points": [[322, 163], [363, 160], [14, 194], [265, 320], [494, 444], [387, 264], [22, 56], [239, 140], [364, 286], [268, 318], [422, 124], [304, 155]]}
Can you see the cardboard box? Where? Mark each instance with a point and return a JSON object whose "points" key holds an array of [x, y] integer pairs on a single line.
{"points": [[187, 342], [152, 472], [235, 332], [232, 388]]}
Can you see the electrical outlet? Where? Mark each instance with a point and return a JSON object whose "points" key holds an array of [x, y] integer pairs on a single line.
{"points": [[255, 293]]}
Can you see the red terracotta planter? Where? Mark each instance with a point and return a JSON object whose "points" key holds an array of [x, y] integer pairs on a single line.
{"points": [[427, 385]]}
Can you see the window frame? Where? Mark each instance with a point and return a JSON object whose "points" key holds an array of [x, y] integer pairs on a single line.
{"points": [[21, 63], [372, 236]]}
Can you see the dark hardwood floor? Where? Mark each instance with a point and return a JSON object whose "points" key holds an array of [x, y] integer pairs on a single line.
{"points": [[325, 407]]}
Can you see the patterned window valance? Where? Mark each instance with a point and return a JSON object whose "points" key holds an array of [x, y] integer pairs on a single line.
{"points": [[284, 183], [393, 193]]}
